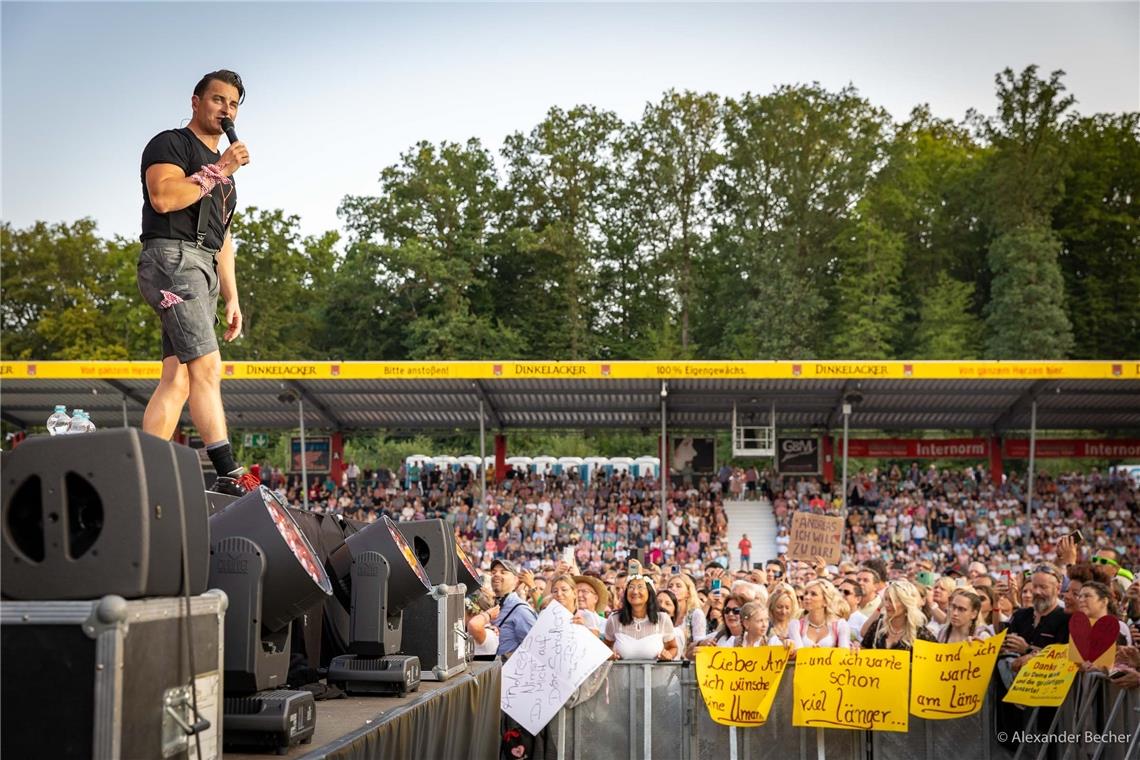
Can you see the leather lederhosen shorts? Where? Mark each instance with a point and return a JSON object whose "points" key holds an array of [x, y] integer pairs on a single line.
{"points": [[180, 282]]}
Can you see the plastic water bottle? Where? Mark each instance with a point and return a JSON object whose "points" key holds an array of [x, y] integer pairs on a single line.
{"points": [[59, 421], [90, 423], [79, 423]]}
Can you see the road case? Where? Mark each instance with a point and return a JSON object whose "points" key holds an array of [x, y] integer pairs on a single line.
{"points": [[111, 678]]}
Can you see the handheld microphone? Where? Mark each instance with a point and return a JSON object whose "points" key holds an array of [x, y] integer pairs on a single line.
{"points": [[228, 128]]}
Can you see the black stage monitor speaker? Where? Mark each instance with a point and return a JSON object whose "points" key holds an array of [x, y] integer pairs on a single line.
{"points": [[438, 551], [434, 546], [101, 513]]}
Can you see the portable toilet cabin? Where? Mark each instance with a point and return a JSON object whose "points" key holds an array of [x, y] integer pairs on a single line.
{"points": [[423, 461], [646, 467], [520, 463], [446, 462], [567, 464], [620, 465], [472, 463], [544, 465], [590, 465]]}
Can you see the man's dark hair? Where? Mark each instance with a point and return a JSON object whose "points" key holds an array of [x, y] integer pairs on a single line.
{"points": [[221, 75], [878, 566]]}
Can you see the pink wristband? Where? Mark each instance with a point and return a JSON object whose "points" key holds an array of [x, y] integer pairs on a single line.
{"points": [[208, 177]]}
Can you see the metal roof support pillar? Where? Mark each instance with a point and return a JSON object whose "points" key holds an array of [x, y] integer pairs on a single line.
{"points": [[481, 470], [125, 422], [304, 454], [662, 468], [846, 420], [1032, 456]]}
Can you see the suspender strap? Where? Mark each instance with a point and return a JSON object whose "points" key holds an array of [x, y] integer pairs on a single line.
{"points": [[204, 207]]}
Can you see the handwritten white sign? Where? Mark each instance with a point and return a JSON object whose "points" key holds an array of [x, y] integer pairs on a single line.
{"points": [[552, 661]]}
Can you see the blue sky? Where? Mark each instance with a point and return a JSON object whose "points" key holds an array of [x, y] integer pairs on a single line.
{"points": [[336, 91]]}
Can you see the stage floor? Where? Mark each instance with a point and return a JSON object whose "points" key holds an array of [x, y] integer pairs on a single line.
{"points": [[458, 718]]}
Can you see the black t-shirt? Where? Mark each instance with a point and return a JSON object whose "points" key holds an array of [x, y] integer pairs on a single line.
{"points": [[182, 148], [1053, 628]]}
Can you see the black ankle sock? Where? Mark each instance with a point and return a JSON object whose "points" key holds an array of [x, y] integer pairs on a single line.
{"points": [[222, 455]]}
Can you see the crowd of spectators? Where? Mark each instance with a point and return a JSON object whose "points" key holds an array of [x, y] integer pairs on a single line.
{"points": [[951, 518], [532, 518], [930, 554]]}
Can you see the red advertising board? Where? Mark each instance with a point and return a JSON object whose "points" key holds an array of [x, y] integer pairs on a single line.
{"points": [[1073, 448], [968, 448], [914, 448]]}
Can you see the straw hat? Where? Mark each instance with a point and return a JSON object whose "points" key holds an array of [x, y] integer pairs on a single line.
{"points": [[599, 589]]}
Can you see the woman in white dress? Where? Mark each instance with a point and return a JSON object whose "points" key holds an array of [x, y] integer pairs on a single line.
{"points": [[822, 624], [639, 631]]}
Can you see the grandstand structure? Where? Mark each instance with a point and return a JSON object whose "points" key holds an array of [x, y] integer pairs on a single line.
{"points": [[994, 399], [1002, 403], [991, 398]]}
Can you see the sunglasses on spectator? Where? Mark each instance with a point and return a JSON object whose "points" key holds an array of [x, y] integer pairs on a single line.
{"points": [[1105, 561], [847, 592], [732, 610]]}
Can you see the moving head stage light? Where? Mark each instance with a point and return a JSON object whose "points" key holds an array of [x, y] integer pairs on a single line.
{"points": [[103, 513], [377, 576], [271, 574]]}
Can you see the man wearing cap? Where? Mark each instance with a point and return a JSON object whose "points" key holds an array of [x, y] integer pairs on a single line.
{"points": [[516, 617]]}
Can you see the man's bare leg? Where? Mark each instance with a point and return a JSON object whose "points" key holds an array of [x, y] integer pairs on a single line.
{"points": [[164, 409], [206, 397]]}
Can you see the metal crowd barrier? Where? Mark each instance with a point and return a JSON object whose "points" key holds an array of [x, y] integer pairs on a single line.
{"points": [[1097, 721], [650, 710]]}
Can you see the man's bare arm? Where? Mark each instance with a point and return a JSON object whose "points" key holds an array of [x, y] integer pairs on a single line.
{"points": [[171, 190]]}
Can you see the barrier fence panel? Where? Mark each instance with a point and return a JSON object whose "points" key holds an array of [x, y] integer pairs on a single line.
{"points": [[655, 710]]}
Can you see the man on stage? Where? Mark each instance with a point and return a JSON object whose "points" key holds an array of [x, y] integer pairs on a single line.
{"points": [[187, 259]]}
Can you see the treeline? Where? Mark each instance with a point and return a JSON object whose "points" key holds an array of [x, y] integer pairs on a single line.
{"points": [[800, 223]]}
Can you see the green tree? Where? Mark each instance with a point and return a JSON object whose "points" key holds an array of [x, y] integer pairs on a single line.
{"points": [[1096, 220], [632, 280], [1026, 314], [558, 177], [868, 309], [283, 283], [419, 254], [796, 162], [947, 328], [678, 138], [928, 193], [68, 294]]}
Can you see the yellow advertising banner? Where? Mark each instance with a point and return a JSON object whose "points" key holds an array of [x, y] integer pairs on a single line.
{"points": [[835, 688], [1044, 680], [950, 680], [594, 370], [739, 683]]}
